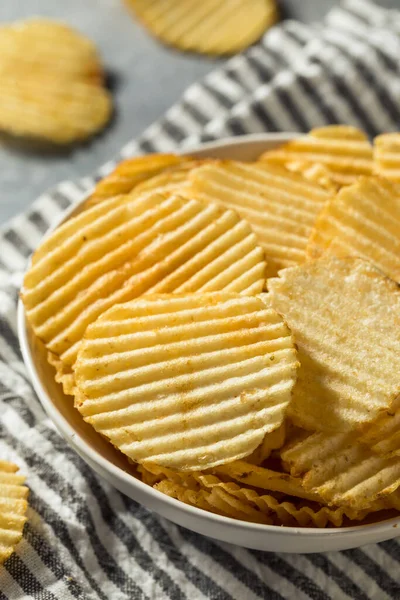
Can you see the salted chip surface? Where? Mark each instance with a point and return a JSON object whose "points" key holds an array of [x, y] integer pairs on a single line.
{"points": [[344, 316], [208, 27], [13, 507], [354, 476], [130, 173], [122, 248], [362, 220], [280, 205], [52, 83], [387, 156], [186, 381], [343, 150]]}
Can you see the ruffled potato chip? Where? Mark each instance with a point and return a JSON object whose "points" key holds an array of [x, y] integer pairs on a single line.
{"points": [[13, 507], [129, 173], [186, 381], [362, 220], [344, 151], [281, 206], [207, 27], [122, 248], [344, 316], [387, 156], [51, 83]]}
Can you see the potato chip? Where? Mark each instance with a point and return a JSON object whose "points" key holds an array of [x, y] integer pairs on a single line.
{"points": [[13, 507], [229, 499], [64, 373], [383, 435], [272, 441], [281, 206], [344, 151], [387, 156], [131, 172], [186, 381], [122, 248], [362, 220], [300, 455], [51, 81], [266, 479], [44, 46], [314, 172], [208, 27], [354, 477], [344, 316]]}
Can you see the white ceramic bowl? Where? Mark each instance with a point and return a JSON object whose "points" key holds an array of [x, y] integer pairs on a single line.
{"points": [[112, 465]]}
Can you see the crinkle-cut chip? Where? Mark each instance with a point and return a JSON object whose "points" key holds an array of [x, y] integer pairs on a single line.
{"points": [[130, 173], [314, 172], [13, 507], [354, 477], [300, 455], [64, 374], [52, 83], [362, 220], [159, 473], [344, 315], [280, 512], [56, 110], [265, 479], [345, 151], [387, 156], [186, 381], [208, 27], [45, 46], [272, 441], [383, 435], [281, 206], [122, 248], [198, 498]]}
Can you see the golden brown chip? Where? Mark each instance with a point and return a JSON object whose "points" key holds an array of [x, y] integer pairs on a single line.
{"points": [[383, 435], [130, 173], [265, 479], [281, 206], [13, 506], [344, 316], [354, 477], [362, 220], [51, 83], [231, 500], [344, 151], [314, 172], [208, 27], [122, 248], [272, 441], [387, 156], [186, 381]]}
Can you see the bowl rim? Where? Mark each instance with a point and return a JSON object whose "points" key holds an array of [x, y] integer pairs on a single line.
{"points": [[84, 449]]}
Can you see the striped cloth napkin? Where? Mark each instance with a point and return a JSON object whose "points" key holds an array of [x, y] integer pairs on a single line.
{"points": [[83, 538]]}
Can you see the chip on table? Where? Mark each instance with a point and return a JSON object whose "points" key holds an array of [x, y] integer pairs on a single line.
{"points": [[52, 83], [13, 507], [208, 27]]}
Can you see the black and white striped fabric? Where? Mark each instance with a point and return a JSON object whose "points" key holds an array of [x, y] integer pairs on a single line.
{"points": [[84, 539]]}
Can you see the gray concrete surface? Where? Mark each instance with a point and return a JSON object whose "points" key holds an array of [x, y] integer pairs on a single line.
{"points": [[146, 79]]}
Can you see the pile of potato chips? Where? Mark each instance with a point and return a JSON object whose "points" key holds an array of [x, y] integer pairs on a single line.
{"points": [[233, 328]]}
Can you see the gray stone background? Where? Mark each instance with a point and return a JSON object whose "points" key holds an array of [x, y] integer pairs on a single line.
{"points": [[146, 79]]}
